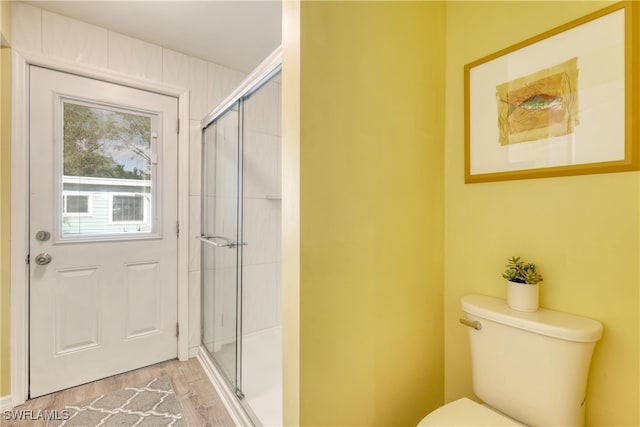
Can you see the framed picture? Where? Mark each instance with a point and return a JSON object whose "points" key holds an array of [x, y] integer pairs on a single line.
{"points": [[562, 103]]}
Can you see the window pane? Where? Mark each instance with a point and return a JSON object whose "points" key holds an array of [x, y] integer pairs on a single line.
{"points": [[106, 144], [107, 162], [77, 204], [128, 208]]}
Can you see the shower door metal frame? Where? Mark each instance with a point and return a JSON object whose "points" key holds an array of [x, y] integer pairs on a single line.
{"points": [[271, 66], [233, 399]]}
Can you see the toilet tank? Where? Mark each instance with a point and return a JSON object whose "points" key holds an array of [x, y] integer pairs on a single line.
{"points": [[532, 367]]}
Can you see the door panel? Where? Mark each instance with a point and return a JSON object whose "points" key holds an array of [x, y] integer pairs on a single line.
{"points": [[143, 299], [76, 301], [103, 183]]}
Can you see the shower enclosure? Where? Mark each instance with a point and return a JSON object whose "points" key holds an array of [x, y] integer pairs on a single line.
{"points": [[240, 246]]}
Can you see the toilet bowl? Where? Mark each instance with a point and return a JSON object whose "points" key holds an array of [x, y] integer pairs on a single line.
{"points": [[466, 412]]}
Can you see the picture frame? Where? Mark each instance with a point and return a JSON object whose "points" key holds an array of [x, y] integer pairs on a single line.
{"points": [[564, 102]]}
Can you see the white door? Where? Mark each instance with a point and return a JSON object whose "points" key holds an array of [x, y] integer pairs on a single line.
{"points": [[103, 244]]}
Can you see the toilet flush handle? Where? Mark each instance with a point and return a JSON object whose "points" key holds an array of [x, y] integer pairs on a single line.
{"points": [[475, 324]]}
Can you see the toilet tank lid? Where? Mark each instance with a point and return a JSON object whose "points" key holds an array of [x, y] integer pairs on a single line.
{"points": [[545, 322]]}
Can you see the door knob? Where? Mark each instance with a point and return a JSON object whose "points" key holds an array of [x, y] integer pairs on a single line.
{"points": [[43, 236], [43, 258]]}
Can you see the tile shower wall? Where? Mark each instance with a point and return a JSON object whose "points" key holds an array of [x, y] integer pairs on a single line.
{"points": [[51, 35]]}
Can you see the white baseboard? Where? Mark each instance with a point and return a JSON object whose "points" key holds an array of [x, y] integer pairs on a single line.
{"points": [[5, 403], [238, 415]]}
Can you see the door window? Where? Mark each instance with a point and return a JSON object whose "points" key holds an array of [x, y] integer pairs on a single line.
{"points": [[107, 170]]}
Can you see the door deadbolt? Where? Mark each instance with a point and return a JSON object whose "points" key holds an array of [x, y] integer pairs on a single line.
{"points": [[43, 236], [43, 258]]}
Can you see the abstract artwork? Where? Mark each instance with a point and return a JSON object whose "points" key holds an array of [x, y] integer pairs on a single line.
{"points": [[540, 105], [563, 102]]}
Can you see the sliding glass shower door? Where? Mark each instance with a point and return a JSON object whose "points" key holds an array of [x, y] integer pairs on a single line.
{"points": [[222, 236], [240, 243]]}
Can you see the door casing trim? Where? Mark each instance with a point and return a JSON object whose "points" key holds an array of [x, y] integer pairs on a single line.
{"points": [[21, 61]]}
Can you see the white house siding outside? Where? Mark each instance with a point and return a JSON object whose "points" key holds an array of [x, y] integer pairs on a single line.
{"points": [[103, 206]]}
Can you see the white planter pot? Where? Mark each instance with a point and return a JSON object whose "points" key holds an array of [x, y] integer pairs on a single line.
{"points": [[522, 297]]}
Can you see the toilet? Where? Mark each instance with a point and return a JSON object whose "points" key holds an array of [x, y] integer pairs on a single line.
{"points": [[529, 369]]}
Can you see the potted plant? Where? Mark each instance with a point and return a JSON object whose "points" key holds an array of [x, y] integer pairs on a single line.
{"points": [[522, 285]]}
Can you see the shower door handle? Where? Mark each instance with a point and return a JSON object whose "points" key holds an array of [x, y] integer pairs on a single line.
{"points": [[236, 244], [228, 243], [212, 241]]}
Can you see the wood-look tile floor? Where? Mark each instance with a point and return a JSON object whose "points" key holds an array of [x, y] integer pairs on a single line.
{"points": [[201, 405]]}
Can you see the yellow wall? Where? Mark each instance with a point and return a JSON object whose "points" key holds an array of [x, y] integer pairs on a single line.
{"points": [[371, 213], [583, 231], [5, 199], [5, 22]]}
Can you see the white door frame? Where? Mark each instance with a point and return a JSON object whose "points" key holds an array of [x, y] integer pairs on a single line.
{"points": [[20, 204]]}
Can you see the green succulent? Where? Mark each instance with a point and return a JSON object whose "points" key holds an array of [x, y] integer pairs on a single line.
{"points": [[520, 272]]}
